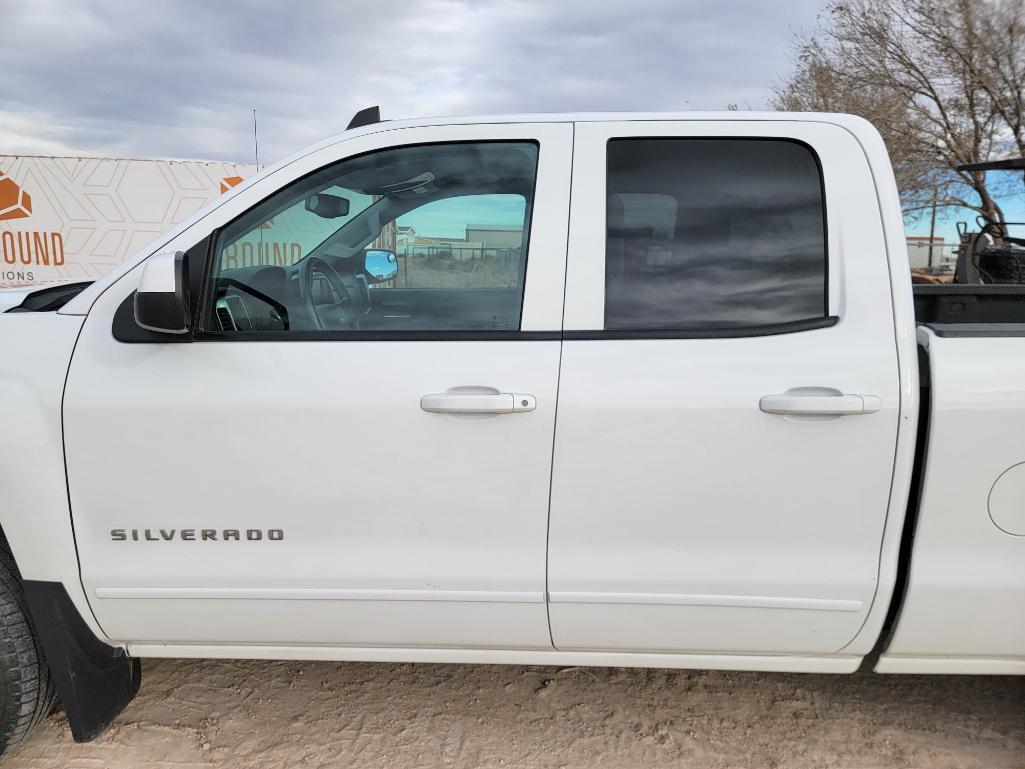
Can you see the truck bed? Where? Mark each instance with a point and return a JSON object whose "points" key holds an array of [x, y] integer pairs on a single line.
{"points": [[948, 305], [963, 577]]}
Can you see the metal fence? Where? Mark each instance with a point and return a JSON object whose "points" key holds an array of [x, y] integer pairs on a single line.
{"points": [[453, 266]]}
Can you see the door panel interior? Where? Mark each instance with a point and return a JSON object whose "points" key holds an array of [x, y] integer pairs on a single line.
{"points": [[421, 308]]}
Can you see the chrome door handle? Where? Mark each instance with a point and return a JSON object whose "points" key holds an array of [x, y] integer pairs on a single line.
{"points": [[474, 403], [840, 404]]}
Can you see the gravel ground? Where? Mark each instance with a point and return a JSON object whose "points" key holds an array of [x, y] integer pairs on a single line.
{"points": [[194, 714]]}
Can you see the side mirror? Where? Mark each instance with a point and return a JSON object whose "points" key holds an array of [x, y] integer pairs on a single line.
{"points": [[380, 265], [162, 299], [327, 206]]}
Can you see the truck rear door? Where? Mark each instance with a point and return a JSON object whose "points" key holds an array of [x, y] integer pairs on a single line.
{"points": [[728, 398]]}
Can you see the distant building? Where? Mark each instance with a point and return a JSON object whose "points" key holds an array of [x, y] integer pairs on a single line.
{"points": [[405, 236], [407, 240], [495, 235], [478, 240], [918, 252]]}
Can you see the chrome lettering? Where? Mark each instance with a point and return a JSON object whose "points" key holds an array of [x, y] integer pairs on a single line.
{"points": [[192, 535]]}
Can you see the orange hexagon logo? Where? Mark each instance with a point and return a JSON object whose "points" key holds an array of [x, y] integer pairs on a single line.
{"points": [[230, 181], [15, 203]]}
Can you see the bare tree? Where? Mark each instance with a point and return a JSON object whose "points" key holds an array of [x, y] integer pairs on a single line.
{"points": [[943, 81]]}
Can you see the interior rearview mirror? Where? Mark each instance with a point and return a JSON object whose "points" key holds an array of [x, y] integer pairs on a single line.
{"points": [[380, 265], [327, 206], [162, 298]]}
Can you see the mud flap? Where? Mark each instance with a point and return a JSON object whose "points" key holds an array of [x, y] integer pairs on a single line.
{"points": [[95, 681]]}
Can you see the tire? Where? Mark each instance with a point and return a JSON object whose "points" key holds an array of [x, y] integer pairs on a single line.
{"points": [[27, 693]]}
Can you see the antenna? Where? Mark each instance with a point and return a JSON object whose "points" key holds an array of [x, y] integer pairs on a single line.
{"points": [[256, 141], [367, 116]]}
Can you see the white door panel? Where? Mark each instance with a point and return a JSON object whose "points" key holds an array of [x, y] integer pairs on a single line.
{"points": [[392, 525], [382, 504], [688, 520], [685, 518]]}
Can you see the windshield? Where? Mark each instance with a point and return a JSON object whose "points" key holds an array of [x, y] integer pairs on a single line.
{"points": [[344, 208], [292, 233]]}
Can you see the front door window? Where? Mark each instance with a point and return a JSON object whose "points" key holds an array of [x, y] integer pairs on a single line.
{"points": [[420, 238]]}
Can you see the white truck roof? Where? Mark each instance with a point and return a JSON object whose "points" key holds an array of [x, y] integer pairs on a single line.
{"points": [[851, 122]]}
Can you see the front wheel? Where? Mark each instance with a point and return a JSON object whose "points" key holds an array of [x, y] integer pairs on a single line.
{"points": [[27, 692]]}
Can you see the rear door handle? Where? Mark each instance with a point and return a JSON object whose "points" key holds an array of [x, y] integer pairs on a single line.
{"points": [[474, 403], [801, 404]]}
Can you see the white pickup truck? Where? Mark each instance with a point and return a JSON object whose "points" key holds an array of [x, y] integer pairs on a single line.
{"points": [[626, 390]]}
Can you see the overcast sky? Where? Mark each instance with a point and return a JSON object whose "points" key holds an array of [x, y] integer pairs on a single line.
{"points": [[181, 78]]}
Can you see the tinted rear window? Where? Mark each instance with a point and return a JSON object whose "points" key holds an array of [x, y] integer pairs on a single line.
{"points": [[706, 234]]}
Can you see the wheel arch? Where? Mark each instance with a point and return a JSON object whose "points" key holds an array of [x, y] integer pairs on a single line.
{"points": [[95, 681]]}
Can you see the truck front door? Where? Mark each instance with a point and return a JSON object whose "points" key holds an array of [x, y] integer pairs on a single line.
{"points": [[337, 458], [729, 391]]}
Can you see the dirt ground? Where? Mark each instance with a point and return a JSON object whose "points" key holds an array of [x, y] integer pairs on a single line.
{"points": [[244, 715]]}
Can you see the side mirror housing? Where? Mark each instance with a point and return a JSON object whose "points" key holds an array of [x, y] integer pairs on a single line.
{"points": [[380, 265], [162, 299]]}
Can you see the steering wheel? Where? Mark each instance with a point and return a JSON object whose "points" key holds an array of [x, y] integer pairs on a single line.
{"points": [[347, 318]]}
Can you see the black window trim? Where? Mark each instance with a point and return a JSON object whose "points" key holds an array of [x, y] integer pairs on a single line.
{"points": [[773, 329], [377, 336], [725, 332], [126, 331]]}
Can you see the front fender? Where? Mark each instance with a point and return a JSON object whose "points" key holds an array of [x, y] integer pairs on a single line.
{"points": [[94, 678], [35, 352]]}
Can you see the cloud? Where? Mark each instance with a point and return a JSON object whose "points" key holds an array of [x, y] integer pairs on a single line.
{"points": [[180, 79]]}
